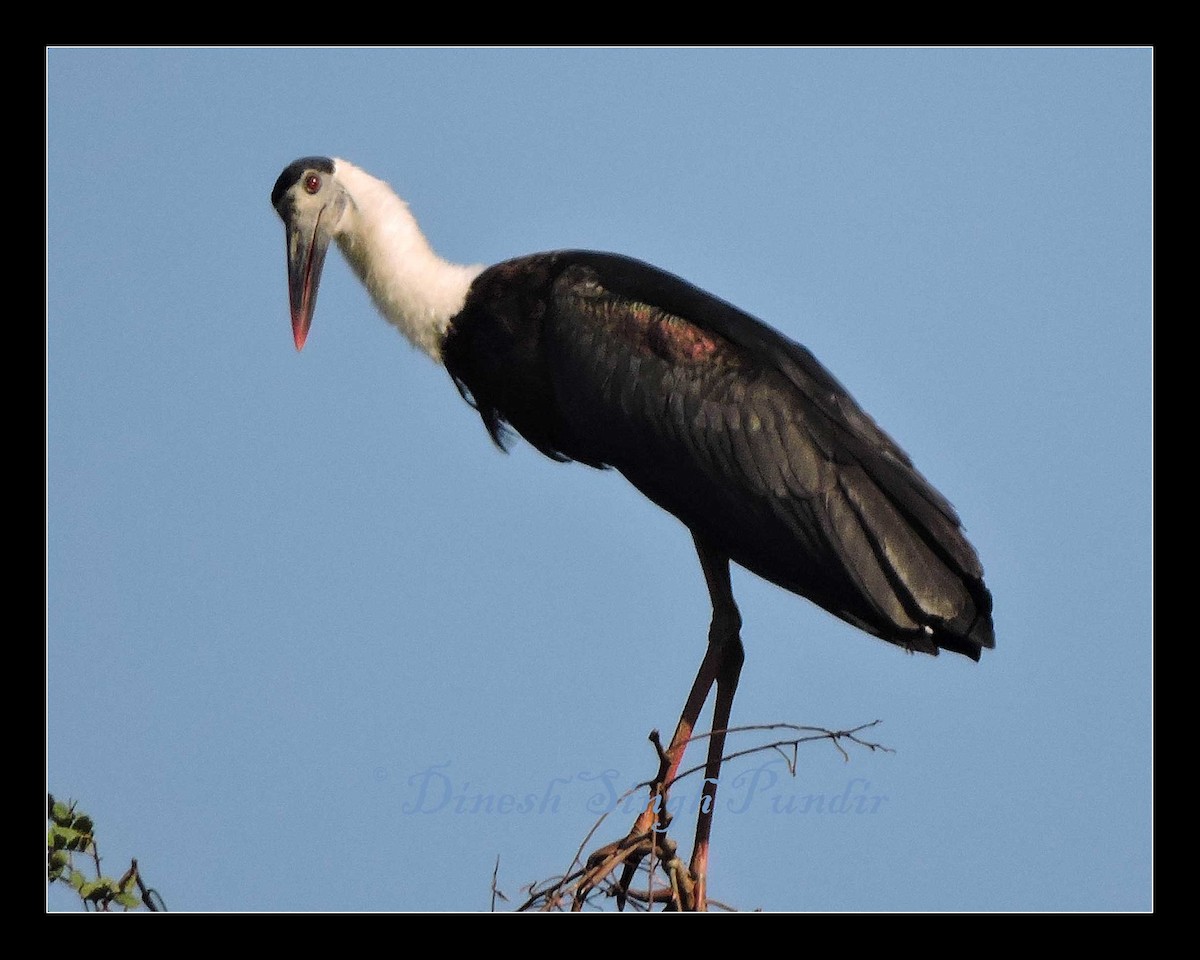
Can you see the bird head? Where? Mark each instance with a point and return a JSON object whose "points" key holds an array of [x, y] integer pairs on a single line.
{"points": [[311, 202]]}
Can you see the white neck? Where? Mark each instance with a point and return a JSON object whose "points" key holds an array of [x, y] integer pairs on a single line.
{"points": [[416, 290]]}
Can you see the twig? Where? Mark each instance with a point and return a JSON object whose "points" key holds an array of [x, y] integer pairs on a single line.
{"points": [[495, 891], [596, 875]]}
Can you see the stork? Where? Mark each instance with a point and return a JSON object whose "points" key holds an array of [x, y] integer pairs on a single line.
{"points": [[725, 423]]}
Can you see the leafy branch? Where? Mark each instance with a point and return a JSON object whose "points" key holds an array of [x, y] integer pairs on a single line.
{"points": [[72, 832]]}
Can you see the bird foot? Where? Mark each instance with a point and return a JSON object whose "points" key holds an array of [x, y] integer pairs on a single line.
{"points": [[647, 839], [681, 892]]}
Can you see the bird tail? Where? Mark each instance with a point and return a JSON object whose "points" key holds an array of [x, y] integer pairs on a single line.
{"points": [[910, 560]]}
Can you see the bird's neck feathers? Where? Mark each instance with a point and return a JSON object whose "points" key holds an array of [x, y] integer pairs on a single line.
{"points": [[415, 289]]}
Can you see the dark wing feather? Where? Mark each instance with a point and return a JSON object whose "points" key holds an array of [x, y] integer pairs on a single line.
{"points": [[737, 431]]}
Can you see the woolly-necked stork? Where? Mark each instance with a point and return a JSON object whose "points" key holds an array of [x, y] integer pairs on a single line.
{"points": [[717, 418]]}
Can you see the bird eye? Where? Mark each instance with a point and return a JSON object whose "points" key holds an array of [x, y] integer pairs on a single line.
{"points": [[312, 183]]}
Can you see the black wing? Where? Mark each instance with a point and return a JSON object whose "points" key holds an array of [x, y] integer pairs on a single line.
{"points": [[741, 434]]}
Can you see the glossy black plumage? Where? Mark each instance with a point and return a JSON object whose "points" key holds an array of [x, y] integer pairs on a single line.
{"points": [[733, 428], [727, 424]]}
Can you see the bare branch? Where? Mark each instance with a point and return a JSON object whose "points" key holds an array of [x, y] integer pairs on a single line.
{"points": [[652, 850], [496, 891]]}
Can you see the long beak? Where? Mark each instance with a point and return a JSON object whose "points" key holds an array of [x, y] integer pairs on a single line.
{"points": [[307, 241]]}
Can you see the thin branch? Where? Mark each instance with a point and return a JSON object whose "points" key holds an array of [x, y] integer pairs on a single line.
{"points": [[496, 892], [817, 733], [595, 876]]}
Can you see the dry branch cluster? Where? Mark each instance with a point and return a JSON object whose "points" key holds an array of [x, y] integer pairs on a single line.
{"points": [[652, 853]]}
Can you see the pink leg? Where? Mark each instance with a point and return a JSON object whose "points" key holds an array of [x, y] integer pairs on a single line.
{"points": [[725, 646], [722, 665]]}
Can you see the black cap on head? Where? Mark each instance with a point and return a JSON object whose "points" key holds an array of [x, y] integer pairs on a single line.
{"points": [[291, 173]]}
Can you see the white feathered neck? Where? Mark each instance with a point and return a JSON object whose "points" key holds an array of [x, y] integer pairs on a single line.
{"points": [[415, 289]]}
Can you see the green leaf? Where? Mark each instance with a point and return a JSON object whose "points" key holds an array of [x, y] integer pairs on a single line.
{"points": [[102, 889], [61, 814], [128, 900], [83, 823], [77, 880]]}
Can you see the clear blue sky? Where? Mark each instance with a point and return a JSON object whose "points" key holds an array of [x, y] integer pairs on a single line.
{"points": [[285, 592]]}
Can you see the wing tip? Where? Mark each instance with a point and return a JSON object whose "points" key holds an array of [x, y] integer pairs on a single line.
{"points": [[978, 637]]}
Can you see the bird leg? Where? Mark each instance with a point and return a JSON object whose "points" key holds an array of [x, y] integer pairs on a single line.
{"points": [[724, 637], [722, 665]]}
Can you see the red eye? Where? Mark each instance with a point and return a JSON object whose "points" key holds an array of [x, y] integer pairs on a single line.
{"points": [[312, 183]]}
